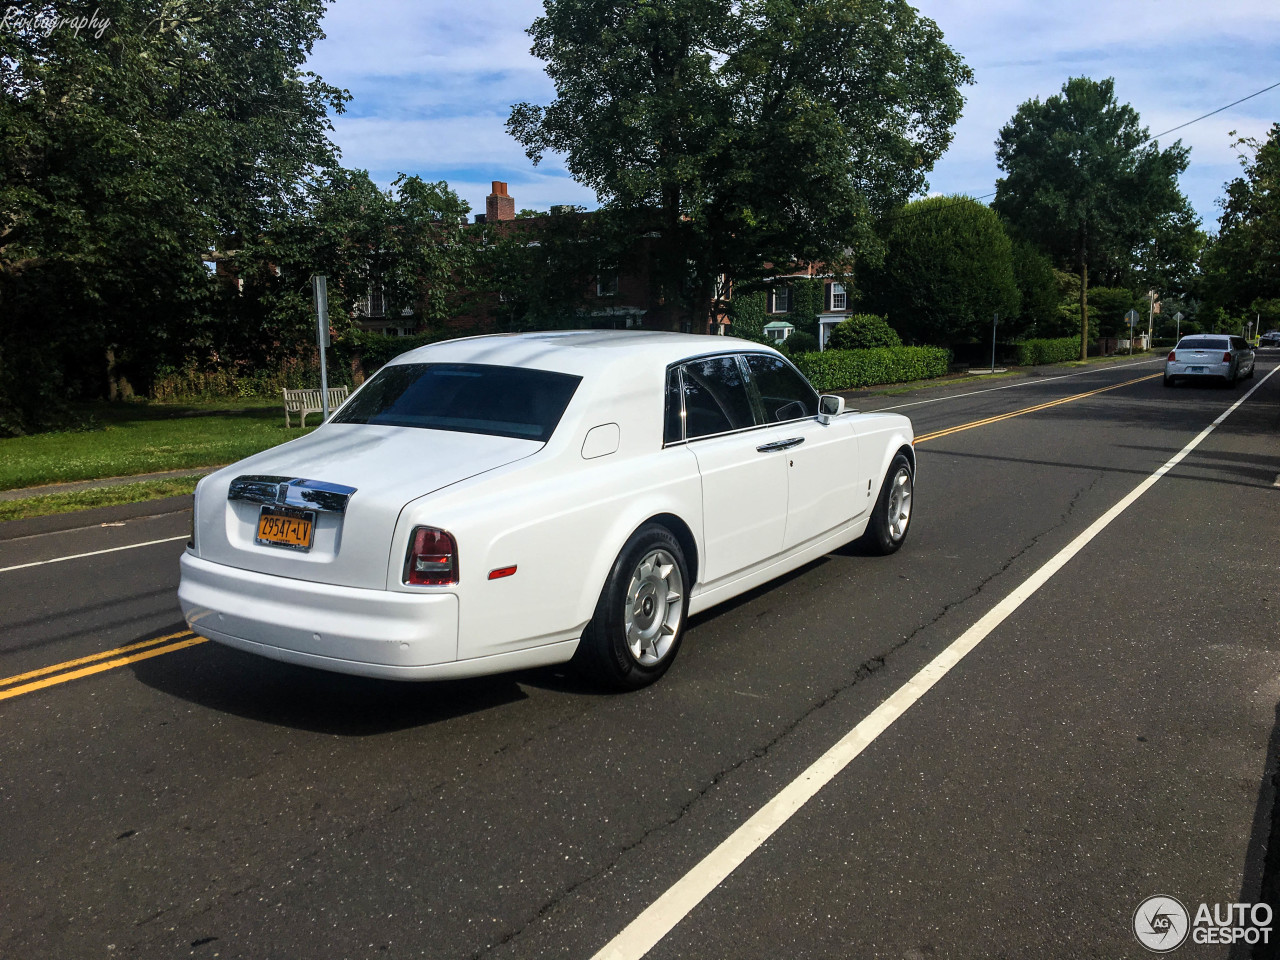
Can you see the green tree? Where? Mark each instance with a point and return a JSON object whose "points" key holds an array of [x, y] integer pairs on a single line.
{"points": [[743, 133], [948, 268], [1039, 294], [1082, 183], [1242, 265], [127, 153]]}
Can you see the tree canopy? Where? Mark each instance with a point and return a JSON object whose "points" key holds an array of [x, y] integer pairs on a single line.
{"points": [[744, 133], [125, 155], [1242, 265], [948, 268], [1083, 184]]}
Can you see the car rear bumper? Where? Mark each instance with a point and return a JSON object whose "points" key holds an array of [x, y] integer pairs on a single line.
{"points": [[348, 629], [1219, 371]]}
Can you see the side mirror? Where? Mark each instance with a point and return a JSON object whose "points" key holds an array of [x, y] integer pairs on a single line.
{"points": [[829, 407]]}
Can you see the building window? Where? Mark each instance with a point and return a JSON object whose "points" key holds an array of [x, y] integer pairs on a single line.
{"points": [[838, 298], [781, 300], [607, 284], [377, 301]]}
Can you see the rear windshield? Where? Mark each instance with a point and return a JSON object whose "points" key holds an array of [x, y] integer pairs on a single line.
{"points": [[1203, 343], [464, 397]]}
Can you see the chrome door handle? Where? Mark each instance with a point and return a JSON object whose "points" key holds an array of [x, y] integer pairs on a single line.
{"points": [[780, 445]]}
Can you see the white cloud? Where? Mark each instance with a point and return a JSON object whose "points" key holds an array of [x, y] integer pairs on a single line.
{"points": [[434, 81]]}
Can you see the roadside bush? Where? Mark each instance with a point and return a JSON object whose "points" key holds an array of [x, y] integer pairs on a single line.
{"points": [[1033, 352], [846, 369], [863, 331], [798, 342]]}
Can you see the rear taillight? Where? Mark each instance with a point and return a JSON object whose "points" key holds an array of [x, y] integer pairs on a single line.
{"points": [[432, 559], [1226, 357], [1173, 355]]}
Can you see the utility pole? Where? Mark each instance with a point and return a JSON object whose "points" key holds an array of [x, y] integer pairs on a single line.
{"points": [[995, 320], [320, 291], [1177, 330]]}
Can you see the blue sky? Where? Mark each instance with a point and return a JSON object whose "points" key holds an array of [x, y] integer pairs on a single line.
{"points": [[433, 83]]}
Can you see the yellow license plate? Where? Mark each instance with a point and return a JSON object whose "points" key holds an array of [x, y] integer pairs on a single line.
{"points": [[285, 529]]}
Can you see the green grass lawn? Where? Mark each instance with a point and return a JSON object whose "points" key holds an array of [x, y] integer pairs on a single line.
{"points": [[125, 439]]}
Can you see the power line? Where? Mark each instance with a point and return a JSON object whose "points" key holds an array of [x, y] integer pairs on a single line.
{"points": [[1257, 93], [1211, 113]]}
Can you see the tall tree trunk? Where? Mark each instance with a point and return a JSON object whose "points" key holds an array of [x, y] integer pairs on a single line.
{"points": [[1084, 294]]}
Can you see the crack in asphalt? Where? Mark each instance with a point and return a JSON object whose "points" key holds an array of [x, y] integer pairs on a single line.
{"points": [[866, 669]]}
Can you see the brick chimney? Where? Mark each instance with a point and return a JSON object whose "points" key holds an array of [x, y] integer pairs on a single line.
{"points": [[499, 205]]}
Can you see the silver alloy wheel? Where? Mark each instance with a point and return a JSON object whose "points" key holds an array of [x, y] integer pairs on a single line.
{"points": [[654, 607], [900, 504]]}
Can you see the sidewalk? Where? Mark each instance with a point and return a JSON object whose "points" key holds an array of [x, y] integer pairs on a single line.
{"points": [[21, 493]]}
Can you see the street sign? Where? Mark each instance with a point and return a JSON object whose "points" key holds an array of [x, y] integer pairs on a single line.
{"points": [[1178, 316], [1132, 317]]}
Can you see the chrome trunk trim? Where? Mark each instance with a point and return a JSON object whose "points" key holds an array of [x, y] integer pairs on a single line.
{"points": [[292, 492]]}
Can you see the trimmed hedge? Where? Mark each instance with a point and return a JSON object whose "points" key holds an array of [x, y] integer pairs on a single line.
{"points": [[1033, 352], [846, 369]]}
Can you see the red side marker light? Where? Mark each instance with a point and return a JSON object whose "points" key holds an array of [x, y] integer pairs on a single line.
{"points": [[501, 572]]}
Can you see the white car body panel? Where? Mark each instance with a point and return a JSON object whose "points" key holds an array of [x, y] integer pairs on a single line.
{"points": [[559, 512]]}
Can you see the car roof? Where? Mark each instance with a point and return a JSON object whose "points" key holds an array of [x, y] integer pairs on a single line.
{"points": [[579, 352]]}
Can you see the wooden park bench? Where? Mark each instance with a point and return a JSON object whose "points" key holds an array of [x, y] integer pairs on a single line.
{"points": [[303, 402]]}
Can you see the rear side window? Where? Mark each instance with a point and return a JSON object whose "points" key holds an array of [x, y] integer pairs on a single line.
{"points": [[715, 397], [783, 393], [673, 418], [465, 398], [1203, 343]]}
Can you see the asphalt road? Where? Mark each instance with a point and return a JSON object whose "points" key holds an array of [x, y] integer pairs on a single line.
{"points": [[1112, 738]]}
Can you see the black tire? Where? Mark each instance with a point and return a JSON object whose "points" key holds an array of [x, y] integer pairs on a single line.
{"points": [[1168, 380], [1252, 367], [607, 654], [885, 531]]}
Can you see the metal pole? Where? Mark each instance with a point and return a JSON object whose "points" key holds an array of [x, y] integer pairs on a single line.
{"points": [[994, 320], [1151, 318], [320, 288]]}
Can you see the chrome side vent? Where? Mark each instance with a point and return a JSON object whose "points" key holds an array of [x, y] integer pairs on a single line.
{"points": [[292, 492]]}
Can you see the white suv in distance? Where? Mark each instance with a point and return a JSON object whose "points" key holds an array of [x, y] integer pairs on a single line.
{"points": [[1209, 356]]}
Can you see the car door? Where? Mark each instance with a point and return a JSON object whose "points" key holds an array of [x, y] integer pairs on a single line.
{"points": [[824, 472], [744, 487]]}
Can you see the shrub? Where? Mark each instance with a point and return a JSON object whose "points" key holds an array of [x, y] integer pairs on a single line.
{"points": [[846, 369], [800, 341], [1033, 352], [863, 331]]}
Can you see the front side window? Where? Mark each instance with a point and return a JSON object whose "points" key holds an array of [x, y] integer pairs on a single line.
{"points": [[782, 392], [464, 397], [715, 397]]}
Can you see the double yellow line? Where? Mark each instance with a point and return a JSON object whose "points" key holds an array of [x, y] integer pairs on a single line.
{"points": [[98, 662], [145, 649], [1025, 410]]}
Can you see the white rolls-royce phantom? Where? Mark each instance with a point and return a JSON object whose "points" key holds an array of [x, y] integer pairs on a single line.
{"points": [[503, 502]]}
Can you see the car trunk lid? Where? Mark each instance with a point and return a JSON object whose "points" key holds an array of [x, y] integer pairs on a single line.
{"points": [[351, 482]]}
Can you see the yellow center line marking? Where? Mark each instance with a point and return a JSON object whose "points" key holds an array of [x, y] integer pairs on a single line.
{"points": [[1040, 406], [193, 640], [89, 659], [99, 668]]}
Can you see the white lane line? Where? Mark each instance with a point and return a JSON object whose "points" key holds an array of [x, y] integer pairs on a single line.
{"points": [[94, 553], [1010, 386], [644, 932]]}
